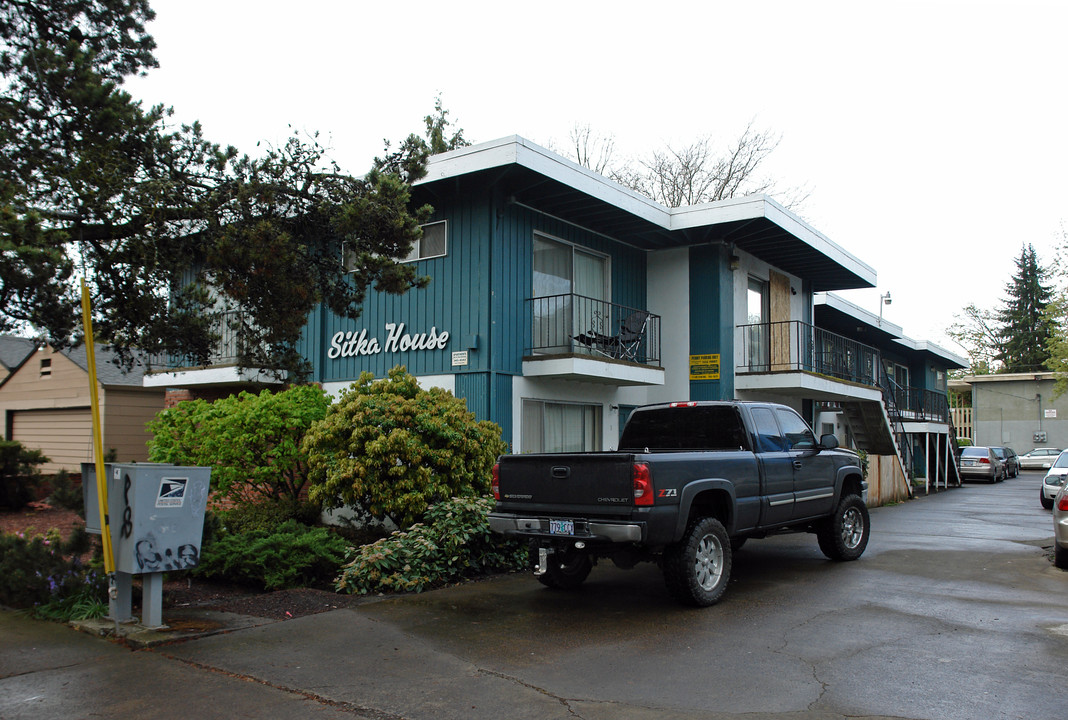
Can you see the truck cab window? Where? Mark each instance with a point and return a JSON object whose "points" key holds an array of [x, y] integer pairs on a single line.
{"points": [[795, 430], [768, 436]]}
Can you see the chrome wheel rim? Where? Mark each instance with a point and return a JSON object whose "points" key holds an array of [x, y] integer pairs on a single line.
{"points": [[852, 528], [709, 562]]}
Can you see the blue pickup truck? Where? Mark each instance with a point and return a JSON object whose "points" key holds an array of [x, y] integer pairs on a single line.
{"points": [[690, 483]]}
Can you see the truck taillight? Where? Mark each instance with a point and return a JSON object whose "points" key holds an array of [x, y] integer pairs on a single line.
{"points": [[495, 484], [690, 403], [643, 485]]}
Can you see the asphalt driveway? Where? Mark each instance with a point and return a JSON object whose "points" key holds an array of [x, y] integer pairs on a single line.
{"points": [[955, 611]]}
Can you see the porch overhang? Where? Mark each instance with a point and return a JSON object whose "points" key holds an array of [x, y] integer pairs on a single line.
{"points": [[583, 368], [804, 385]]}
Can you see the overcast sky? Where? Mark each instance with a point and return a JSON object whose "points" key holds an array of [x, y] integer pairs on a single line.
{"points": [[932, 135]]}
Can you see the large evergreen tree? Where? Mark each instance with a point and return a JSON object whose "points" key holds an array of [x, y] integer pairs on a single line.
{"points": [[1025, 329], [169, 230]]}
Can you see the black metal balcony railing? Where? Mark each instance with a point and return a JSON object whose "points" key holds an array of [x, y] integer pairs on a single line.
{"points": [[796, 346], [919, 405], [575, 324]]}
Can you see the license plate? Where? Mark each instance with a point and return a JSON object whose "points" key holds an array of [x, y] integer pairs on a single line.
{"points": [[561, 527]]}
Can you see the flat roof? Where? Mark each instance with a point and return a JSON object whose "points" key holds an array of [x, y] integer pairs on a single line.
{"points": [[884, 329], [537, 178]]}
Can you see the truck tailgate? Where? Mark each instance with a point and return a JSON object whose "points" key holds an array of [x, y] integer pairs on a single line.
{"points": [[591, 479]]}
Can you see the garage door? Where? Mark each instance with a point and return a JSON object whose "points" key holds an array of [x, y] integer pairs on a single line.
{"points": [[64, 436]]}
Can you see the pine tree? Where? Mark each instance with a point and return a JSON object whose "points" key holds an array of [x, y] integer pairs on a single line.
{"points": [[1025, 327]]}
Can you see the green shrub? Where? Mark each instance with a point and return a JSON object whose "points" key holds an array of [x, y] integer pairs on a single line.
{"points": [[19, 476], [47, 575], [454, 543], [290, 555], [392, 449], [251, 442], [65, 494], [253, 516]]}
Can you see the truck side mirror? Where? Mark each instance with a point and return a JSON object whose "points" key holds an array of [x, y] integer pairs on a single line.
{"points": [[828, 442]]}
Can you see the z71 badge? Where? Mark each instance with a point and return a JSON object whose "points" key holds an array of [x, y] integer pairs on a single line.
{"points": [[668, 492]]}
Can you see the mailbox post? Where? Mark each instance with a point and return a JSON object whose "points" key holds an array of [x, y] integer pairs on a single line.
{"points": [[156, 516]]}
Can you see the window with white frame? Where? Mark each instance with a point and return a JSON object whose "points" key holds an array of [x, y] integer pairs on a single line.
{"points": [[432, 244], [560, 427]]}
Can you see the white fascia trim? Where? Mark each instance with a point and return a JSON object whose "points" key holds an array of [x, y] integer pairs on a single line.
{"points": [[804, 385], [597, 371], [933, 349], [515, 150], [855, 311], [752, 207], [210, 376]]}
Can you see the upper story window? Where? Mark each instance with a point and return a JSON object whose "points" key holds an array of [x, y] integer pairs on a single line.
{"points": [[432, 244], [46, 367]]}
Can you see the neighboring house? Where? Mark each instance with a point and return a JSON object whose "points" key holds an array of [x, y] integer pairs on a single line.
{"points": [[560, 300], [45, 405], [913, 377], [13, 351], [1017, 410]]}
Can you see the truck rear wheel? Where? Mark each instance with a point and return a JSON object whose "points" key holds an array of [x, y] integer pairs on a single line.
{"points": [[844, 535], [566, 571], [697, 568]]}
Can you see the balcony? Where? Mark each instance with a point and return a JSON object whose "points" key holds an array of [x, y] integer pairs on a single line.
{"points": [[918, 405], [580, 338], [172, 370], [796, 358]]}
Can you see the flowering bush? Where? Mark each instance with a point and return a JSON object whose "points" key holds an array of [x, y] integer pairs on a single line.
{"points": [[47, 575], [454, 543]]}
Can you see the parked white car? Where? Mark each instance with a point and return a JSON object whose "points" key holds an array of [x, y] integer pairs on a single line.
{"points": [[1060, 529], [1039, 458], [1054, 480]]}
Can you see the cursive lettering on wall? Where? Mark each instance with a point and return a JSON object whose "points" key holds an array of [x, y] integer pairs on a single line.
{"points": [[354, 343]]}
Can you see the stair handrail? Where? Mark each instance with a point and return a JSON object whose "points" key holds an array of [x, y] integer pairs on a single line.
{"points": [[889, 388]]}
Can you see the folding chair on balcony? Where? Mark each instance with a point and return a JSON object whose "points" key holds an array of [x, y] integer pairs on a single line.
{"points": [[626, 345]]}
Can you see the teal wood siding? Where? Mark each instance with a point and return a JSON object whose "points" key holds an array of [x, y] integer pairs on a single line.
{"points": [[712, 319], [456, 301], [489, 397]]}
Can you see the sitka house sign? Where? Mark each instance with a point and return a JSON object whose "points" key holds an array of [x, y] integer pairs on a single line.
{"points": [[358, 342]]}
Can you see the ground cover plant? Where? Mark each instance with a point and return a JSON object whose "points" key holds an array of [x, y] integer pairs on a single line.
{"points": [[288, 556], [454, 543]]}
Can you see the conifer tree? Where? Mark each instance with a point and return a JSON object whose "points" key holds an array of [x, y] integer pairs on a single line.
{"points": [[1025, 327]]}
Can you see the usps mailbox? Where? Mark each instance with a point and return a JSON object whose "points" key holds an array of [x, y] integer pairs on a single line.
{"points": [[156, 513], [156, 516]]}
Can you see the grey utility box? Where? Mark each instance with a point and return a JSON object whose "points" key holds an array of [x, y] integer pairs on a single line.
{"points": [[156, 514]]}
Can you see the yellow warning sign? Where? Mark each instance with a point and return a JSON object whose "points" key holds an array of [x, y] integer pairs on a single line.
{"points": [[704, 367]]}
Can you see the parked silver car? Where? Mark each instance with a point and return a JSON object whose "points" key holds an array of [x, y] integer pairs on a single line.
{"points": [[1039, 458], [1054, 480], [1060, 529], [981, 462]]}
